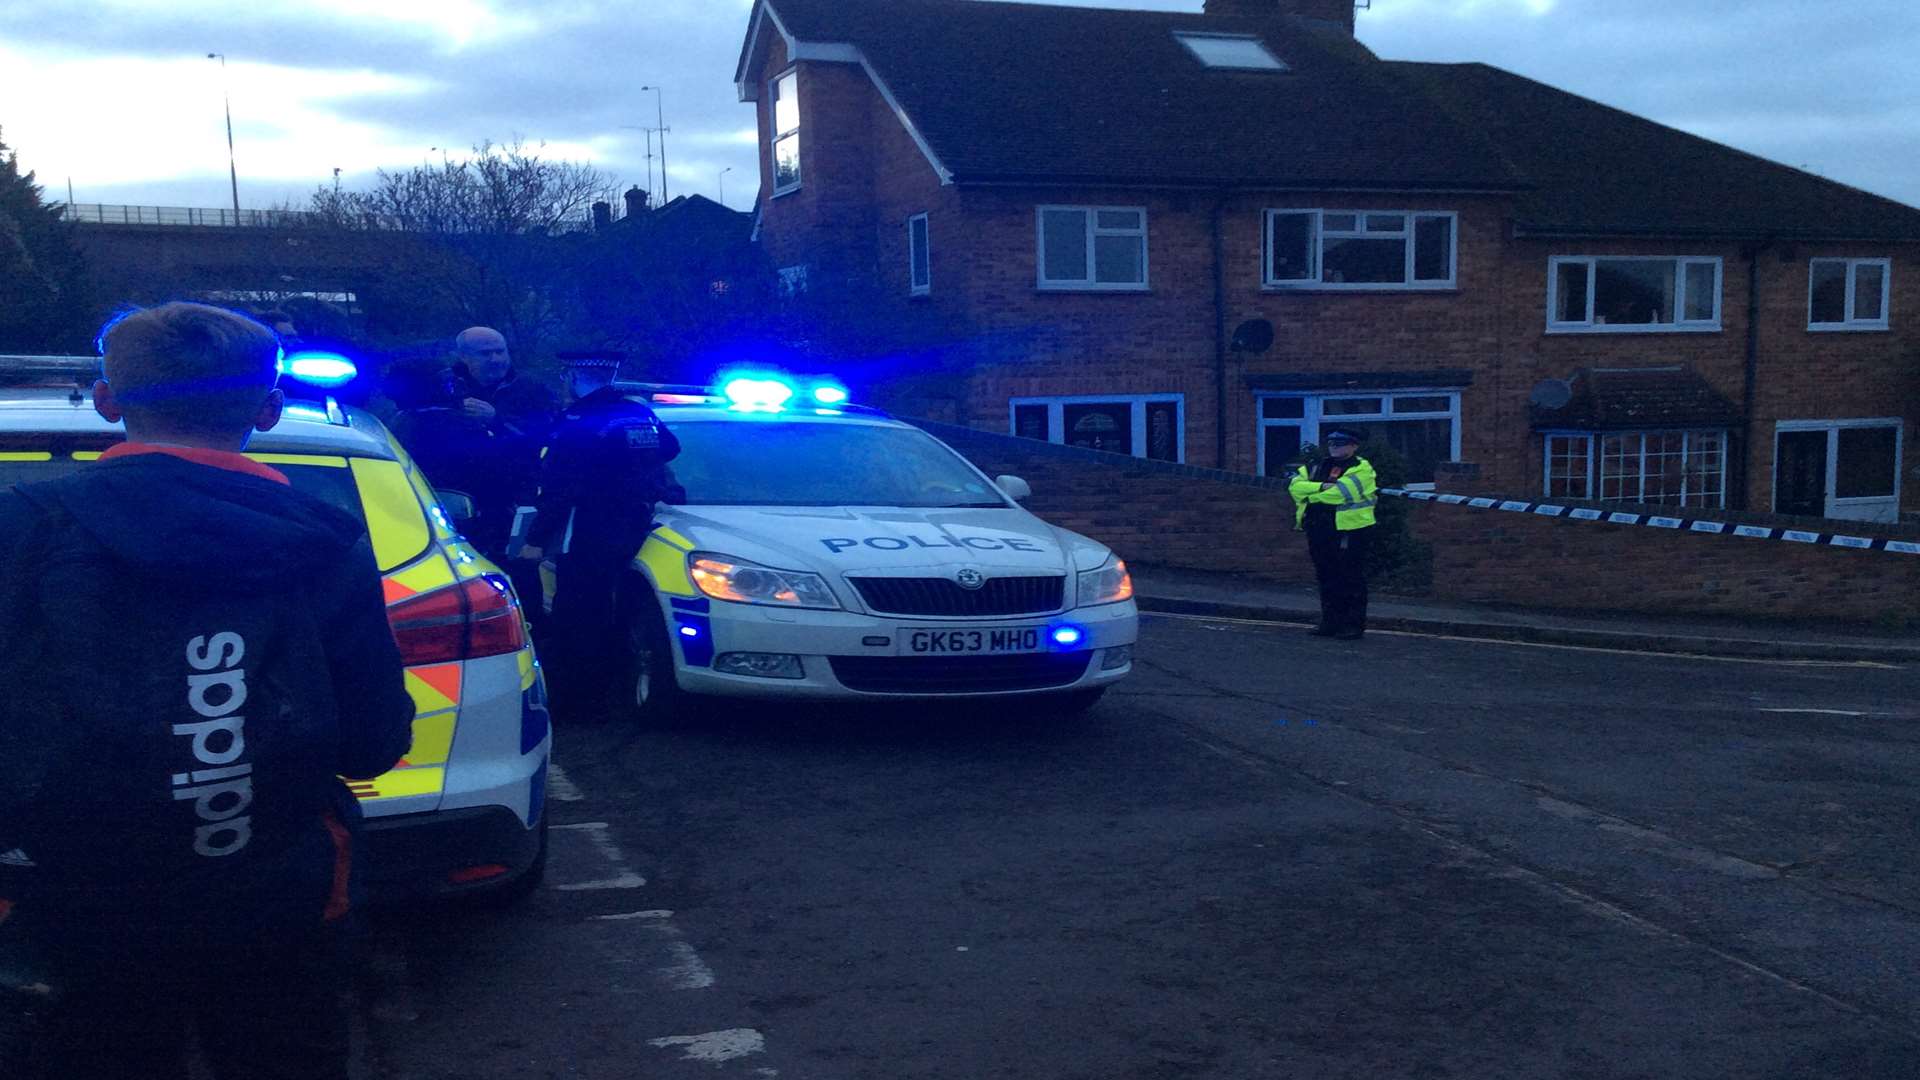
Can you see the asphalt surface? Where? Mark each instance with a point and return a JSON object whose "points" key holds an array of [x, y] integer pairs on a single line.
{"points": [[1264, 856]]}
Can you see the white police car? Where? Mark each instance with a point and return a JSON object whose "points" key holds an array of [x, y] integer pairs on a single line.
{"points": [[826, 551]]}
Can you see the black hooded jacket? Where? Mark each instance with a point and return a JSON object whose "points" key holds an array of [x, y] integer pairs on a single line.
{"points": [[193, 656]]}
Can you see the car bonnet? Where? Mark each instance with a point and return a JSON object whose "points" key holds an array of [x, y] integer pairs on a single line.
{"points": [[888, 541]]}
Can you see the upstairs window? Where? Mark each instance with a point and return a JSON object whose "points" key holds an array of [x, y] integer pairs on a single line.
{"points": [[919, 261], [1848, 294], [1231, 51], [1093, 247], [1629, 295], [786, 133], [1361, 249]]}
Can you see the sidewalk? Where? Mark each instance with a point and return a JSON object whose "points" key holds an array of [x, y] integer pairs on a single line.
{"points": [[1195, 592]]}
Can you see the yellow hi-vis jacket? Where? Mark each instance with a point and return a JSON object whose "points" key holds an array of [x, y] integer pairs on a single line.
{"points": [[1352, 496]]}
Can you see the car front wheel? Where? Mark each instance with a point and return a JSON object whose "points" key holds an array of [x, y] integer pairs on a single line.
{"points": [[652, 692]]}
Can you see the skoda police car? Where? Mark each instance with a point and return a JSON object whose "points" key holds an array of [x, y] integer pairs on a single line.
{"points": [[814, 549], [464, 810]]}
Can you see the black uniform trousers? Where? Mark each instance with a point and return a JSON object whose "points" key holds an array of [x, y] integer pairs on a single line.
{"points": [[589, 665], [261, 1010], [1340, 564]]}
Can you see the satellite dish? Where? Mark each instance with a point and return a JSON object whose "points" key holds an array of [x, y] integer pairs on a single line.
{"points": [[1551, 394], [1253, 336]]}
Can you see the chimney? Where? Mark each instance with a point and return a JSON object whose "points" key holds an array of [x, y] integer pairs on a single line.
{"points": [[1338, 12], [636, 201], [602, 215]]}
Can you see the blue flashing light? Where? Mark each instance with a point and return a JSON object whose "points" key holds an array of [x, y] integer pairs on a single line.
{"points": [[750, 392], [829, 394], [690, 631], [1068, 636], [319, 369]]}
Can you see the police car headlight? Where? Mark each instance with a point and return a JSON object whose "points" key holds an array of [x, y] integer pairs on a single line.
{"points": [[742, 582], [1108, 585]]}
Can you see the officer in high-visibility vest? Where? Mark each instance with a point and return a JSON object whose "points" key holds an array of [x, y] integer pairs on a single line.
{"points": [[1333, 500]]}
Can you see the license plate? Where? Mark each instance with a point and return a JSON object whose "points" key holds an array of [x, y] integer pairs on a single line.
{"points": [[981, 641]]}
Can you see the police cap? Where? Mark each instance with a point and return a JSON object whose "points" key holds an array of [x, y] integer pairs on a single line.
{"points": [[607, 360], [1345, 433]]}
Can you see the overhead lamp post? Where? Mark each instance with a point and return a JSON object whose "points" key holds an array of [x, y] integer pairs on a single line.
{"points": [[723, 184], [226, 96], [649, 131], [660, 117]]}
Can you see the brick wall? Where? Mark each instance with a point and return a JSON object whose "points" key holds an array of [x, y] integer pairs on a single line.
{"points": [[1190, 517]]}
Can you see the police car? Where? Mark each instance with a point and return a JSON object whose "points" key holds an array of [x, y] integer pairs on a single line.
{"points": [[464, 811], [816, 550]]}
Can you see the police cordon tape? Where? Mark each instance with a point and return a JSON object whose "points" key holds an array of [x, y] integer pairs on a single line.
{"points": [[1705, 526]]}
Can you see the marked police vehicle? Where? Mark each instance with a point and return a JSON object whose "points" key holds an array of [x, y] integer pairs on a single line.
{"points": [[820, 550], [464, 811]]}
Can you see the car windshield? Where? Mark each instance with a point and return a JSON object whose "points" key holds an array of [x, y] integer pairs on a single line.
{"points": [[331, 485], [784, 463]]}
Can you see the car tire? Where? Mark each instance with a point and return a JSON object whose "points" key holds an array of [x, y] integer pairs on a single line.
{"points": [[516, 891], [652, 694]]}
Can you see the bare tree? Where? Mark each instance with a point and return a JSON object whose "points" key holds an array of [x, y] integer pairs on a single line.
{"points": [[489, 235]]}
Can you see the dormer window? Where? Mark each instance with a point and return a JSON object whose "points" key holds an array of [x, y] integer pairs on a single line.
{"points": [[1231, 51]]}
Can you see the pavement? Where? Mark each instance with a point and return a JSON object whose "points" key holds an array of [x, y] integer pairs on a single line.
{"points": [[1194, 592]]}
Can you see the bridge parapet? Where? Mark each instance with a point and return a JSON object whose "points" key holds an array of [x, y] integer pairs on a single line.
{"points": [[119, 214]]}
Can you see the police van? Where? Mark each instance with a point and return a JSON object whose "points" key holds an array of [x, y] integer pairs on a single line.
{"points": [[817, 550], [464, 811]]}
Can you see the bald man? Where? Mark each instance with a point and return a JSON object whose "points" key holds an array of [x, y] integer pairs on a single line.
{"points": [[484, 437]]}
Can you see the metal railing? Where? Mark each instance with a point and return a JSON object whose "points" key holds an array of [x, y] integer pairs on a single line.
{"points": [[118, 214]]}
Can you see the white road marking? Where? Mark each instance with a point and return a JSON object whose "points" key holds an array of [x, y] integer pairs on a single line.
{"points": [[623, 875], [715, 1046], [1824, 712], [560, 787], [688, 971], [1545, 644]]}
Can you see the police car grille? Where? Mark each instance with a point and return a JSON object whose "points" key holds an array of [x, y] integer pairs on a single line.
{"points": [[958, 674], [939, 596]]}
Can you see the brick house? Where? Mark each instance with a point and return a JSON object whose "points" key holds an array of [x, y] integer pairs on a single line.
{"points": [[1199, 237]]}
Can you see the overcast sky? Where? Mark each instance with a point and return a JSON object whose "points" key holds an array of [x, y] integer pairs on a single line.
{"points": [[119, 97]]}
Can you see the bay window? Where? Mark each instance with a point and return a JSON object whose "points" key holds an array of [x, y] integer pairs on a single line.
{"points": [[1675, 468]]}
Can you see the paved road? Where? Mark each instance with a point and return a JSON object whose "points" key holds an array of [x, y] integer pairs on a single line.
{"points": [[1461, 860]]}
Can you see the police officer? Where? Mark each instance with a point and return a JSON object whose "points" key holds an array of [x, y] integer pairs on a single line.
{"points": [[1333, 501], [603, 473]]}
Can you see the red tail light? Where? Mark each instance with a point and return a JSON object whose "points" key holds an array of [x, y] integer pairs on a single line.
{"points": [[460, 622]]}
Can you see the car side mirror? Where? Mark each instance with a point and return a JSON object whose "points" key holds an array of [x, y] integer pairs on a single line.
{"points": [[1016, 489], [458, 506]]}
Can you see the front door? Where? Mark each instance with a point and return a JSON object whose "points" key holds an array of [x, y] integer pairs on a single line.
{"points": [[1800, 473]]}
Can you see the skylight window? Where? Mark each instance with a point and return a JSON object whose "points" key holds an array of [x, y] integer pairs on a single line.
{"points": [[1228, 51]]}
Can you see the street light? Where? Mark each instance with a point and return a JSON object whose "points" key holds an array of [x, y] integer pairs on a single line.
{"points": [[723, 184], [660, 116], [649, 131], [233, 171]]}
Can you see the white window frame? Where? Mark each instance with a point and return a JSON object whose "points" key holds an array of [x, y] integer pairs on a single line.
{"points": [[1313, 416], [1678, 326], [1089, 284], [1317, 233], [1834, 502], [777, 135], [1056, 424], [914, 287], [1850, 323], [1593, 441]]}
